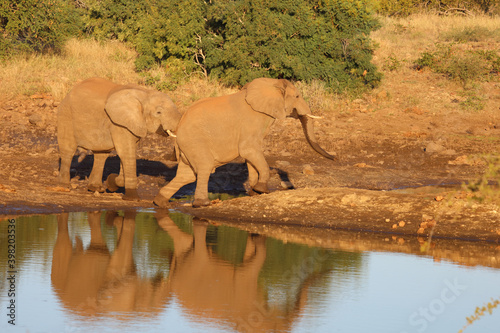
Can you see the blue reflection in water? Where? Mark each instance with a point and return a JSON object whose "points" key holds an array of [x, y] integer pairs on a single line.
{"points": [[130, 272]]}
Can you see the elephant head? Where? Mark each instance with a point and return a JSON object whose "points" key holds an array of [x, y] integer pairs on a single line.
{"points": [[142, 111], [280, 99]]}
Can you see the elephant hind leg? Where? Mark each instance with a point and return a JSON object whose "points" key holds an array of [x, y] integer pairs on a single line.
{"points": [[185, 175], [66, 154], [114, 181], [66, 142], [201, 193]]}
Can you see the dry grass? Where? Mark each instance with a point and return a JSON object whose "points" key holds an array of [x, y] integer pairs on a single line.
{"points": [[84, 58], [56, 74], [401, 41], [406, 38]]}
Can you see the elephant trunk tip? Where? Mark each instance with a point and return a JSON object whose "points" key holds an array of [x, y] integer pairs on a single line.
{"points": [[308, 128]]}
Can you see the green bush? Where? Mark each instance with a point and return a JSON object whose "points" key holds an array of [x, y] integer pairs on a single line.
{"points": [[301, 40], [161, 31], [239, 40], [36, 25], [392, 63], [399, 7]]}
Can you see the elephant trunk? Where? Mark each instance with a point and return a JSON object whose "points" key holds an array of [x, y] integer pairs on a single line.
{"points": [[169, 126], [308, 127]]}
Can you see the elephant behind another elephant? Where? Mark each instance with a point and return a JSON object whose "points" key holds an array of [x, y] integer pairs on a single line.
{"points": [[100, 116]]}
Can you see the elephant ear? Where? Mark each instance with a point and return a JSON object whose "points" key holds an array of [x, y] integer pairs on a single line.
{"points": [[267, 96], [124, 108]]}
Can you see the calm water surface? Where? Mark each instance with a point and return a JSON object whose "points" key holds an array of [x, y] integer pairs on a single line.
{"points": [[144, 272]]}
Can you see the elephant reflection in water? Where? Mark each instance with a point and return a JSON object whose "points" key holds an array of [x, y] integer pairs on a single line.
{"points": [[209, 287], [94, 281]]}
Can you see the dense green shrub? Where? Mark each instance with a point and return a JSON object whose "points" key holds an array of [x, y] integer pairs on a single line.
{"points": [[239, 40], [161, 31], [36, 25], [302, 40]]}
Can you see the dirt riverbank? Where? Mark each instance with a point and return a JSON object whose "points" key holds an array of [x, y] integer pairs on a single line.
{"points": [[380, 146]]}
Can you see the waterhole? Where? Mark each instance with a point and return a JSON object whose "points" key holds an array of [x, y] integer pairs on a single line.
{"points": [[130, 271]]}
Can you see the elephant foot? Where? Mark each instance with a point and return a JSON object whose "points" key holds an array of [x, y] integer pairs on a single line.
{"points": [[260, 188], [161, 201], [94, 188], [201, 203], [252, 193], [65, 185], [131, 195], [111, 182]]}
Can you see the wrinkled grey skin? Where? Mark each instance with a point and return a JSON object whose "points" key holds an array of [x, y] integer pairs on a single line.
{"points": [[215, 131], [100, 116]]}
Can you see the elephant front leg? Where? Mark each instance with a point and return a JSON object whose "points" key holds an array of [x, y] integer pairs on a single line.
{"points": [[130, 174], [125, 144], [95, 178]]}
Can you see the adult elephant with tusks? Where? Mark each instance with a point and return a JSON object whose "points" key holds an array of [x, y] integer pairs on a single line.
{"points": [[214, 131], [100, 116]]}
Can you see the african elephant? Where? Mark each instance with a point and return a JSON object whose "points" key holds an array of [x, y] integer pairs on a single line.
{"points": [[214, 131], [100, 116]]}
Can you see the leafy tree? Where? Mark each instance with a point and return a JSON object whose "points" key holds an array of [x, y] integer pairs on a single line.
{"points": [[303, 40], [161, 31], [239, 40], [36, 25]]}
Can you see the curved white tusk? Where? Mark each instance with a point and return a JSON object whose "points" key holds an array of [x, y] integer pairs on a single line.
{"points": [[314, 117], [171, 133]]}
